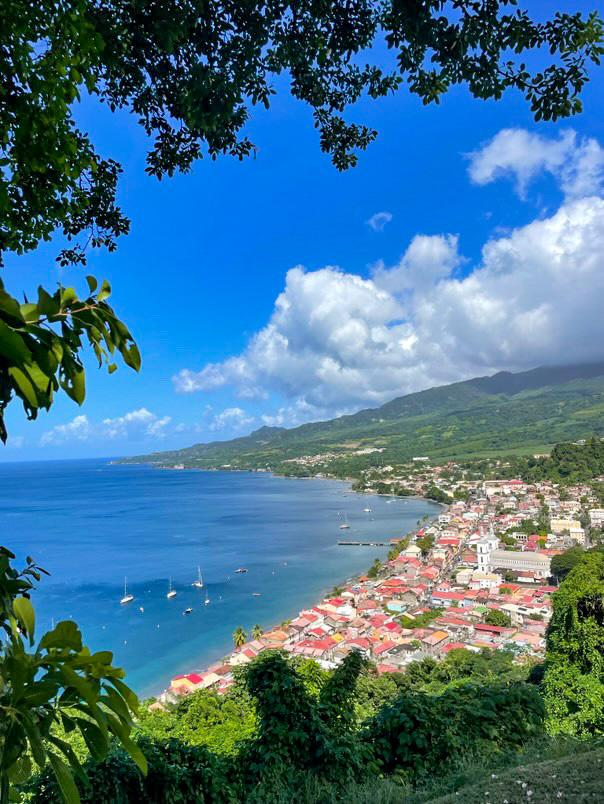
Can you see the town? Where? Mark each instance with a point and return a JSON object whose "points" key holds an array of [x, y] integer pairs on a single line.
{"points": [[479, 575]]}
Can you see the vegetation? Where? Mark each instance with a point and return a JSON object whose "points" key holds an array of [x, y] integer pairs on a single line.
{"points": [[482, 417], [52, 688], [499, 618], [305, 728], [191, 73], [573, 683], [239, 637]]}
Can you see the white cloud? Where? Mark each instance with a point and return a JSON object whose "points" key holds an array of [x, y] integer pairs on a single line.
{"points": [[335, 341], [78, 429], [379, 220], [577, 163], [136, 425], [231, 419]]}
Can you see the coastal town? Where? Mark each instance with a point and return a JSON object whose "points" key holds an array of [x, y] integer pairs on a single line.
{"points": [[476, 576]]}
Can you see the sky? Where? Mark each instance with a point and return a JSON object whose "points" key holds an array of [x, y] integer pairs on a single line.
{"points": [[469, 239]]}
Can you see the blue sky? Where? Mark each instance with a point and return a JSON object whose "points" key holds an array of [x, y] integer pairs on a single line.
{"points": [[198, 277]]}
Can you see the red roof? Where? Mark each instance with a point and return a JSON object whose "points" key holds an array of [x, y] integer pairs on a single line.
{"points": [[194, 678], [494, 629], [454, 646]]}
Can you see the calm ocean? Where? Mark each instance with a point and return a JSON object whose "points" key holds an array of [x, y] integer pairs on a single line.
{"points": [[90, 524]]}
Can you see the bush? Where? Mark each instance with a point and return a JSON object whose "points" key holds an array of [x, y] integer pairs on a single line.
{"points": [[419, 733]]}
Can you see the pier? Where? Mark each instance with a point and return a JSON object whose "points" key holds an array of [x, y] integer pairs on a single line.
{"points": [[362, 544]]}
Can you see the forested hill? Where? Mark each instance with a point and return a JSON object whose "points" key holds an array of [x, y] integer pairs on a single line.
{"points": [[522, 413]]}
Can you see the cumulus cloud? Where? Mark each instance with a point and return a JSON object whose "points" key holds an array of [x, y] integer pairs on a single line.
{"points": [[136, 425], [336, 341], [378, 221], [576, 162], [231, 419]]}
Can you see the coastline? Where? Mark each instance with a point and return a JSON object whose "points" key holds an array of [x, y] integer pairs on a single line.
{"points": [[221, 656]]}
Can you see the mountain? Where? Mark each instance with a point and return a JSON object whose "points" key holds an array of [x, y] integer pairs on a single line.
{"points": [[505, 413]]}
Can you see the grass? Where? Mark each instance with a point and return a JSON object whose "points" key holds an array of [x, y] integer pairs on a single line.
{"points": [[547, 771]]}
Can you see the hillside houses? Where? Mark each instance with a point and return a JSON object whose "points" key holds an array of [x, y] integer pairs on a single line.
{"points": [[484, 558]]}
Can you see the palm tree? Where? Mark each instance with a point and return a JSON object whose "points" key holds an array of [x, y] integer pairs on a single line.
{"points": [[256, 632], [239, 637]]}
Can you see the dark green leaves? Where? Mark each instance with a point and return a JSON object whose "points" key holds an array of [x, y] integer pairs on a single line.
{"points": [[60, 684], [41, 344]]}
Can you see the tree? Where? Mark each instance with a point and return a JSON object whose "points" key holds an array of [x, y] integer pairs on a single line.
{"points": [[375, 569], [257, 631], [425, 544], [191, 72], [59, 686], [239, 637], [498, 617], [563, 563], [573, 682]]}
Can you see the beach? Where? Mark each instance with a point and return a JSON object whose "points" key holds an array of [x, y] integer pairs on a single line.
{"points": [[103, 522]]}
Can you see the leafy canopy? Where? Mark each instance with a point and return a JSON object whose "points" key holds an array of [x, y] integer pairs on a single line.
{"points": [[191, 72], [59, 687]]}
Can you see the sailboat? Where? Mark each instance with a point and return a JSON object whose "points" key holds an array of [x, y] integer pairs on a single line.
{"points": [[207, 600], [345, 525], [171, 592], [198, 584], [127, 598]]}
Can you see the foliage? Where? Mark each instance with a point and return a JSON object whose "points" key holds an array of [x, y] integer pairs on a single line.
{"points": [[438, 495], [191, 72], [420, 732], [40, 344], [419, 620], [60, 685], [239, 637], [375, 569], [452, 422], [563, 563], [256, 631], [573, 683], [177, 773], [425, 544], [498, 617]]}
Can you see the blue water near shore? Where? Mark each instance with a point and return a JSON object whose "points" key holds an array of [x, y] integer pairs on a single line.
{"points": [[90, 523]]}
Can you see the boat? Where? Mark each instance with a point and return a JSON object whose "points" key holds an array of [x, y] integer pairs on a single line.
{"points": [[345, 525], [256, 594], [127, 598], [198, 583], [188, 611], [241, 570], [171, 592], [206, 602], [367, 510]]}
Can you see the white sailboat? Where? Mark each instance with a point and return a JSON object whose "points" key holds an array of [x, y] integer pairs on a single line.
{"points": [[198, 583], [207, 600], [171, 592], [345, 525], [127, 598]]}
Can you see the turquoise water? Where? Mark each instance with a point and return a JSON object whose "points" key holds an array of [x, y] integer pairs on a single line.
{"points": [[90, 523]]}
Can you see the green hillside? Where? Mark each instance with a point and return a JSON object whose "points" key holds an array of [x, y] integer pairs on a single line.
{"points": [[506, 413]]}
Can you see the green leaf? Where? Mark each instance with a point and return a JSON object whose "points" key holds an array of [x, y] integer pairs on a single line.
{"points": [[24, 386], [26, 615], [136, 754], [92, 283], [66, 635], [104, 292], [65, 779], [12, 345]]}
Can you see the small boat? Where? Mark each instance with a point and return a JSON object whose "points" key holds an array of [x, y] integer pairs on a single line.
{"points": [[206, 602], [256, 594], [127, 598], [188, 611], [241, 570], [367, 510], [141, 609], [198, 583], [171, 592], [345, 525]]}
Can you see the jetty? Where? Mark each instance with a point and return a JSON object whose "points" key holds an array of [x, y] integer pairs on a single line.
{"points": [[348, 543]]}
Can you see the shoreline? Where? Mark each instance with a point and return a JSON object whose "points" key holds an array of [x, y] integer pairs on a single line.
{"points": [[349, 580]]}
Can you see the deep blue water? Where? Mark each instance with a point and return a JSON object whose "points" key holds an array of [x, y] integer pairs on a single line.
{"points": [[90, 523]]}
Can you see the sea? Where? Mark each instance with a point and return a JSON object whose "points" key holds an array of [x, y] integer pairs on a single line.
{"points": [[91, 524]]}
